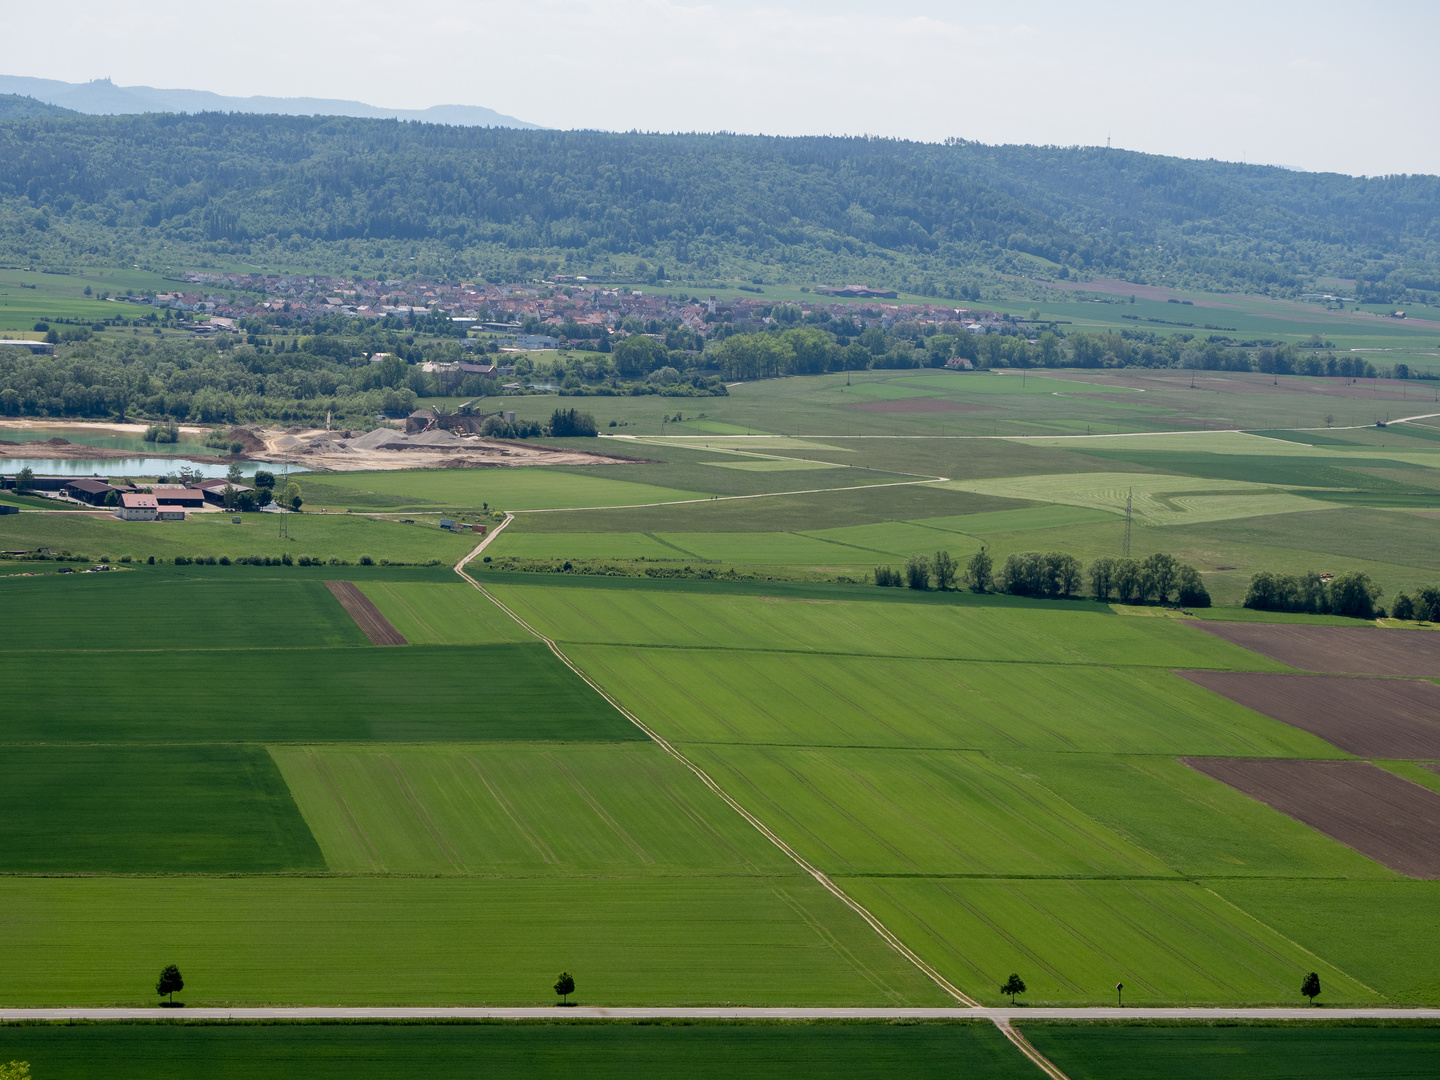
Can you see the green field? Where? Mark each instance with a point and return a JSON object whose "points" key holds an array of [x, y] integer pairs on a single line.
{"points": [[861, 1051], [148, 809], [447, 941], [797, 700], [926, 812], [420, 693], [518, 809], [322, 536], [1376, 930], [1072, 941], [1078, 633], [250, 789], [443, 614], [1192, 823], [135, 610], [1292, 1051]]}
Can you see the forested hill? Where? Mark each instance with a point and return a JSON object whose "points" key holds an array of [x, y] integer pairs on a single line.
{"points": [[370, 195]]}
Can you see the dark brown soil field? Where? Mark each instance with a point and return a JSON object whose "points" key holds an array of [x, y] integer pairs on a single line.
{"points": [[1380, 815], [919, 405], [1373, 718], [1339, 649], [366, 615]]}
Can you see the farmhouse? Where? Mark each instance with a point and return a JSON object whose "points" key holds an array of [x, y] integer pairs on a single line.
{"points": [[137, 507]]}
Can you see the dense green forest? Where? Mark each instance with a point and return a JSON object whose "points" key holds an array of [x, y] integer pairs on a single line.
{"points": [[391, 198]]}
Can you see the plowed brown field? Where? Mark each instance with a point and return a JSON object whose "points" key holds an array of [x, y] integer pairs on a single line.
{"points": [[1342, 649], [1384, 718], [366, 615], [1386, 818]]}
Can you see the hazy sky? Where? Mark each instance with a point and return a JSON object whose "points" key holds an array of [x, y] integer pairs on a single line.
{"points": [[1316, 85]]}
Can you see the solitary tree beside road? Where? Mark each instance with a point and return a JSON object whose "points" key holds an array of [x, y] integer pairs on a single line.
{"points": [[169, 982], [1014, 985], [565, 986], [1311, 986]]}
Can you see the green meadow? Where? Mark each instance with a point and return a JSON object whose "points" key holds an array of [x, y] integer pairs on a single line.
{"points": [[322, 536], [717, 696], [1167, 942], [518, 808], [853, 1051], [421, 693], [450, 613], [1274, 1051], [447, 941]]}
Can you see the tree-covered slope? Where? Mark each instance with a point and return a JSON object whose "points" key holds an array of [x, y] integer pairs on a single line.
{"points": [[370, 194]]}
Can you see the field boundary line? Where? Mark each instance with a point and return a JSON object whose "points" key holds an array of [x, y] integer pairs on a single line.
{"points": [[1048, 1067], [815, 872]]}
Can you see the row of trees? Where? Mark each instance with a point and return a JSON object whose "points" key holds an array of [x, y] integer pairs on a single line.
{"points": [[1424, 606], [1056, 575], [1351, 594]]}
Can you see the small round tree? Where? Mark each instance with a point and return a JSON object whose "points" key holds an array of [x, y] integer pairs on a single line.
{"points": [[1311, 987], [1014, 985], [169, 982], [565, 986]]}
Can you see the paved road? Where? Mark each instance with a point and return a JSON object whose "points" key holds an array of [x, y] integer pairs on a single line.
{"points": [[741, 1013]]}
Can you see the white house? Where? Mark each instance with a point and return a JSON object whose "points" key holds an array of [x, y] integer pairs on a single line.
{"points": [[137, 508]]}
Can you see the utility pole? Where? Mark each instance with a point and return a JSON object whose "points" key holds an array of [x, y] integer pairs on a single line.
{"points": [[1129, 498]]}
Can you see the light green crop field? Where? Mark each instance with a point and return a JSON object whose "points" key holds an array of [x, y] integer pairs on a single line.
{"points": [[584, 545], [1074, 940], [798, 700], [908, 812], [517, 809], [428, 613], [1192, 823], [143, 610], [1378, 931], [419, 693], [321, 535], [1049, 635], [148, 809], [546, 1051], [447, 941], [524, 488], [1157, 499]]}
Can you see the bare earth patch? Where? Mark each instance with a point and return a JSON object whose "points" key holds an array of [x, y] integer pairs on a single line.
{"points": [[1336, 649], [919, 405], [385, 449], [366, 615], [1374, 718], [1382, 816]]}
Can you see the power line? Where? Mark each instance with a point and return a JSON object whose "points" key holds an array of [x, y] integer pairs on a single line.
{"points": [[1129, 497]]}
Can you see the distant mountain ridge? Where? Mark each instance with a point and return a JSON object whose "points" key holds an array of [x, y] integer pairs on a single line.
{"points": [[103, 98]]}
